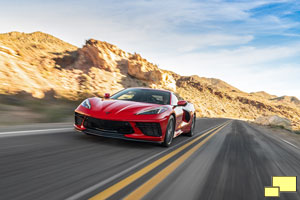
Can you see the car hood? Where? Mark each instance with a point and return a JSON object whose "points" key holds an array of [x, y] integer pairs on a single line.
{"points": [[119, 107]]}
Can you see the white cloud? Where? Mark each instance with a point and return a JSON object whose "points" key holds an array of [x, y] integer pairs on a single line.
{"points": [[245, 55]]}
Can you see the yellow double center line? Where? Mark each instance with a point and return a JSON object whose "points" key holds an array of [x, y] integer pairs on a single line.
{"points": [[150, 184]]}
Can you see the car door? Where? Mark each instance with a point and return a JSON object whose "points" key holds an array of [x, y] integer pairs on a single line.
{"points": [[179, 114]]}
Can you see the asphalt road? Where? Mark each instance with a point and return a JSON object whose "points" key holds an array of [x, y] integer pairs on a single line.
{"points": [[227, 159]]}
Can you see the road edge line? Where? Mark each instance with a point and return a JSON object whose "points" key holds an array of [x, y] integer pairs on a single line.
{"points": [[34, 132]]}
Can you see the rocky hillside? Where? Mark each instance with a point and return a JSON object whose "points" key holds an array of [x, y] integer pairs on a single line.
{"points": [[38, 63]]}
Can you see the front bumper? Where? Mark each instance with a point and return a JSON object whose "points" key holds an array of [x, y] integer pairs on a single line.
{"points": [[151, 131]]}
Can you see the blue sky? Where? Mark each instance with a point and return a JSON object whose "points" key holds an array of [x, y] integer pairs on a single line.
{"points": [[253, 45]]}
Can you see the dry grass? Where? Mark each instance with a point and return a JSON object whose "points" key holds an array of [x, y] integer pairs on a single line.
{"points": [[23, 109]]}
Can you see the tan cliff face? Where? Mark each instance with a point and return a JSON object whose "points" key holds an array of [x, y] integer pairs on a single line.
{"points": [[38, 63], [140, 68]]}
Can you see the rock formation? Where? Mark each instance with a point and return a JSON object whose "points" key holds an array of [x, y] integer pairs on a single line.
{"points": [[37, 63]]}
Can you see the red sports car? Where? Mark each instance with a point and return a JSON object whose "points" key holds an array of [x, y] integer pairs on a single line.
{"points": [[140, 114]]}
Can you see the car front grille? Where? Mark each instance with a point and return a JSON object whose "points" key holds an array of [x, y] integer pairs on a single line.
{"points": [[149, 128], [120, 127]]}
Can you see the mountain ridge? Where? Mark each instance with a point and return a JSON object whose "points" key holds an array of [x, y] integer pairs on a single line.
{"points": [[38, 62]]}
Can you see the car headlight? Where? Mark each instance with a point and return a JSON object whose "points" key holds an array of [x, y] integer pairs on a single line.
{"points": [[153, 111], [86, 104]]}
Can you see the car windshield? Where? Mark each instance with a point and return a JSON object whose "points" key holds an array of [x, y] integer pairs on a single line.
{"points": [[143, 95]]}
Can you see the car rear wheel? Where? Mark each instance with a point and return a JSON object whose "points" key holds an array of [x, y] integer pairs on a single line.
{"points": [[191, 133], [169, 132]]}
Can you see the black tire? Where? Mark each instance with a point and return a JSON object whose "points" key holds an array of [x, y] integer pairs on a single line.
{"points": [[191, 133], [169, 132]]}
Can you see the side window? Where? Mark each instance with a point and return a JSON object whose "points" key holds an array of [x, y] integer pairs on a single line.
{"points": [[127, 96], [174, 100]]}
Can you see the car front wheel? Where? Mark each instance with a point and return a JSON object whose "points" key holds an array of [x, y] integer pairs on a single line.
{"points": [[169, 132]]}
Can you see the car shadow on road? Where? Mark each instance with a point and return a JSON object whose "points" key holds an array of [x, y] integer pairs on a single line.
{"points": [[117, 142]]}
